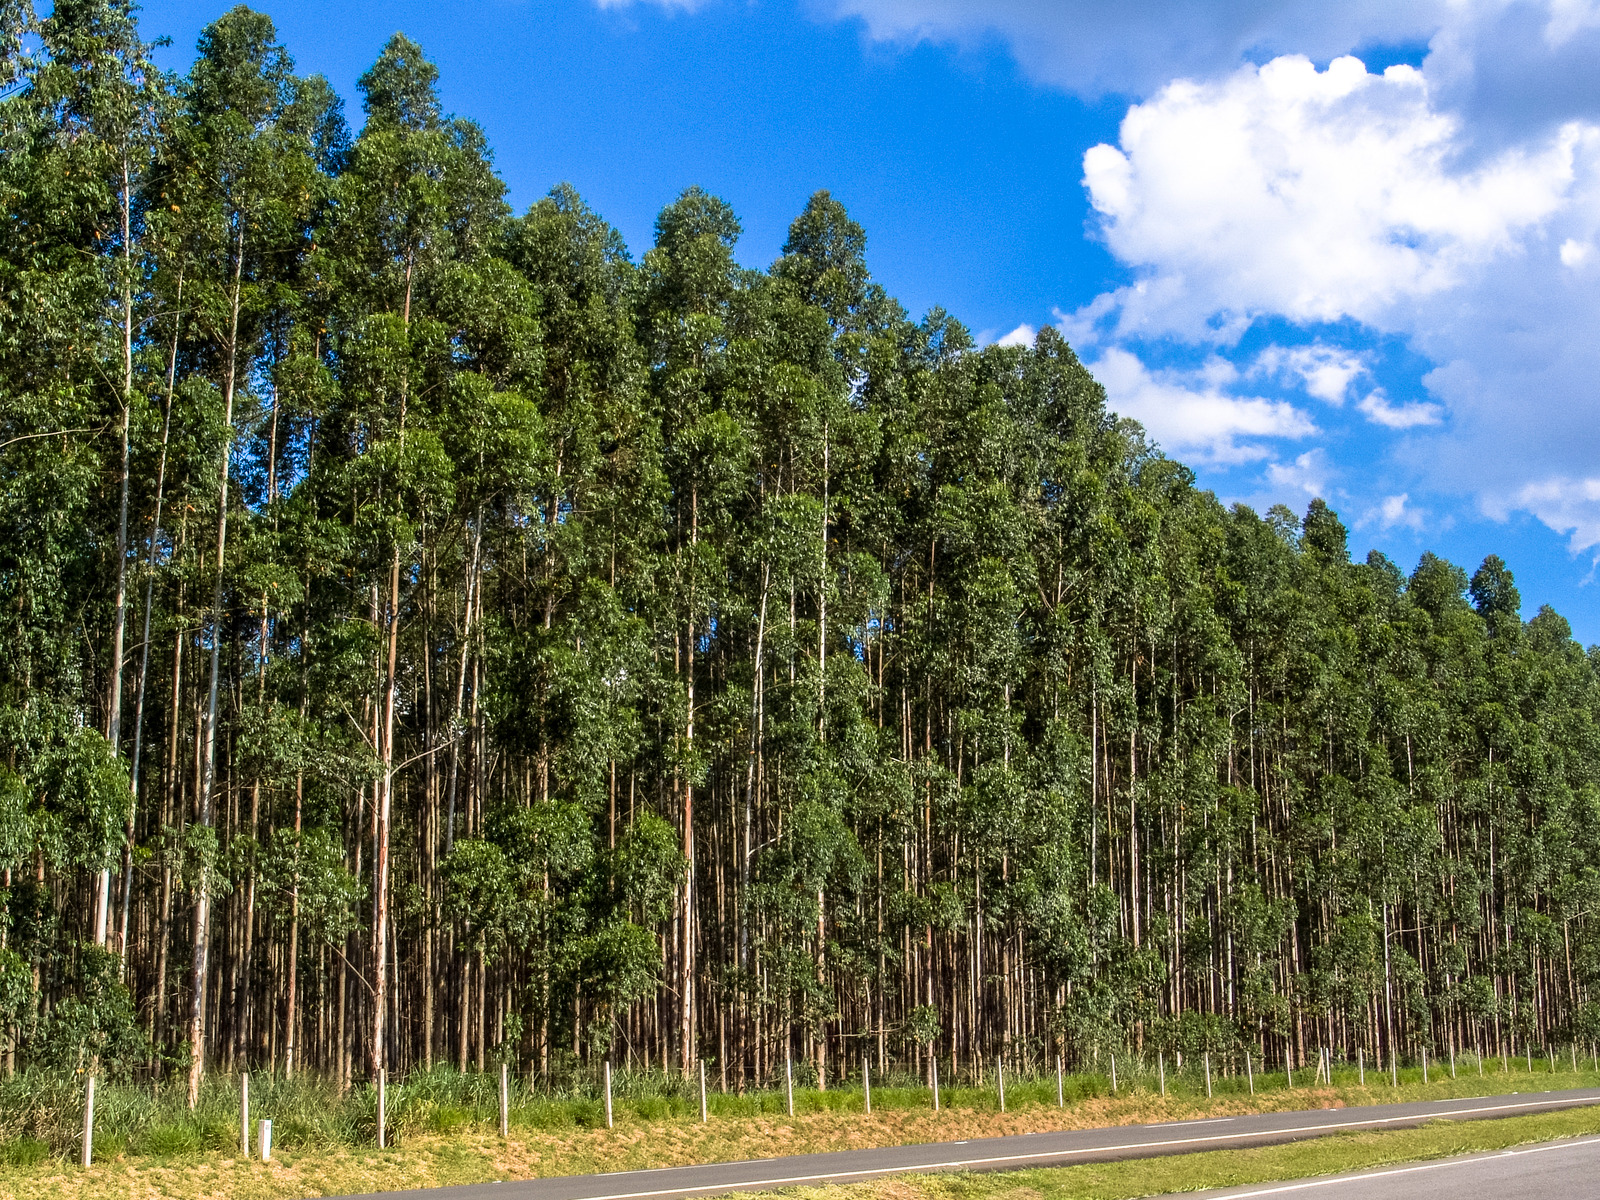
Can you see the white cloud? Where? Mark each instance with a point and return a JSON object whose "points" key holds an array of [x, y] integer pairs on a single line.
{"points": [[1353, 204], [688, 6], [1312, 195], [1567, 505], [1380, 411], [1395, 512], [1022, 335], [1192, 414], [1307, 473], [1091, 47], [1325, 372]]}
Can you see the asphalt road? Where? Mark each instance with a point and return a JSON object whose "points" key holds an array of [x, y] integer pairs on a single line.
{"points": [[1012, 1153], [1552, 1171]]}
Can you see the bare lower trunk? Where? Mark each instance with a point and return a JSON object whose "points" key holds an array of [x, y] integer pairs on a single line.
{"points": [[119, 627], [208, 770]]}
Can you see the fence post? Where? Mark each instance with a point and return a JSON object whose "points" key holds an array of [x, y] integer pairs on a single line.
{"points": [[788, 1081], [382, 1098], [935, 1061], [505, 1101], [866, 1083], [608, 1094], [244, 1113], [88, 1121], [1000, 1080]]}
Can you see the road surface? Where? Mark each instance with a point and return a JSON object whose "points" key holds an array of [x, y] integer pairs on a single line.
{"points": [[1007, 1153], [1552, 1171]]}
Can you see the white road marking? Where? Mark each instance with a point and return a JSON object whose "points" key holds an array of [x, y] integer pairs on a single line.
{"points": [[954, 1164], [1307, 1184]]}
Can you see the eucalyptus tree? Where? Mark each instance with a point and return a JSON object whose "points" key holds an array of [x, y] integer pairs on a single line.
{"points": [[239, 186], [674, 660]]}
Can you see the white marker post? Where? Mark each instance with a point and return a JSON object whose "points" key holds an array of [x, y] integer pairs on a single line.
{"points": [[934, 1061], [505, 1101], [1000, 1080], [1249, 1072], [608, 1094], [702, 1091], [788, 1081], [381, 1100], [1208, 1075], [866, 1084], [1061, 1099], [264, 1140], [1424, 1064], [1113, 1074], [244, 1113], [88, 1122], [1361, 1065], [1161, 1068]]}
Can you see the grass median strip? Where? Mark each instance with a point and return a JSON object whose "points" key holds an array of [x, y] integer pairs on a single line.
{"points": [[1329, 1155]]}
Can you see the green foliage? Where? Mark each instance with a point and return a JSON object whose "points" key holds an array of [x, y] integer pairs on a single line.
{"points": [[697, 648], [95, 1026]]}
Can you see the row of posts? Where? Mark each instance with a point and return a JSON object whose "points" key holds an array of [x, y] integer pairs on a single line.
{"points": [[1324, 1074]]}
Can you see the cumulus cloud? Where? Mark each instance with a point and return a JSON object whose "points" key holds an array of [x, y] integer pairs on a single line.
{"points": [[1352, 205], [1312, 195], [1091, 47], [1396, 512], [1325, 372], [1194, 413], [1307, 473], [1381, 411], [1022, 335], [1567, 505]]}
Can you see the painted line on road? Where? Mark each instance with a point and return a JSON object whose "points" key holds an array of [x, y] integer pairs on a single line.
{"points": [[1306, 1184], [955, 1164]]}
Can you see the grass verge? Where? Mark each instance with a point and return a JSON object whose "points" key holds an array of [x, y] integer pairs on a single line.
{"points": [[448, 1145]]}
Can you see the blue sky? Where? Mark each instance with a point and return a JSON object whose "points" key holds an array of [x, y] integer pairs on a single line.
{"points": [[1373, 278]]}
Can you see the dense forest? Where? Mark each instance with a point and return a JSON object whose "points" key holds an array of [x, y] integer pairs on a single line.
{"points": [[432, 635]]}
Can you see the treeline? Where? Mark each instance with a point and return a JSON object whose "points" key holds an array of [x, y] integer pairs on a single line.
{"points": [[429, 635]]}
